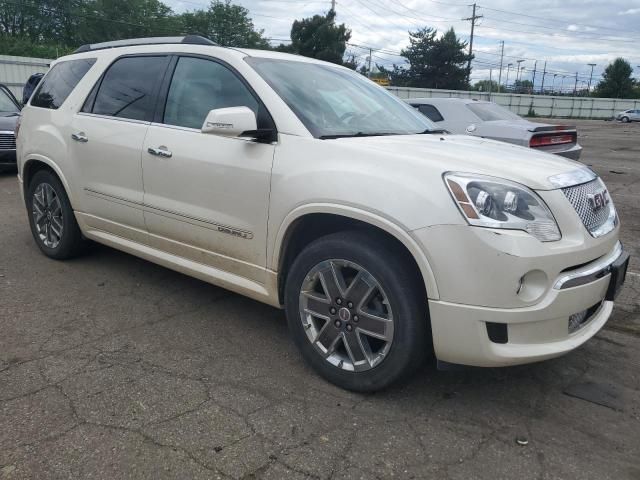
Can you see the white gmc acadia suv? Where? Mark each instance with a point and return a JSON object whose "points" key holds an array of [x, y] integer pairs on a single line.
{"points": [[303, 185]]}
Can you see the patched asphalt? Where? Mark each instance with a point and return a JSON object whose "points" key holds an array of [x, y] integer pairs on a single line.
{"points": [[112, 367]]}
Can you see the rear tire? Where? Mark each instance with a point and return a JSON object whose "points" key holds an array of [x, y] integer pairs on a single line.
{"points": [[357, 311], [51, 218]]}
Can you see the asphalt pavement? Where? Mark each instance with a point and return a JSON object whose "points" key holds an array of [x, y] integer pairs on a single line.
{"points": [[112, 367]]}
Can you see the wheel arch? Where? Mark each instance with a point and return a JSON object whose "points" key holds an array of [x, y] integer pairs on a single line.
{"points": [[306, 223], [34, 164]]}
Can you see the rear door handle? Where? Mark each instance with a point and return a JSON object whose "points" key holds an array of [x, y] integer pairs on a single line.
{"points": [[80, 137], [160, 152]]}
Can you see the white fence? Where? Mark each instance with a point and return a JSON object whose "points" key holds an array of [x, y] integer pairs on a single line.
{"points": [[542, 105], [15, 71]]}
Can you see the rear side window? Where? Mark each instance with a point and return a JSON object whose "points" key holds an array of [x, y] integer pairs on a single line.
{"points": [[430, 112], [128, 88], [60, 82]]}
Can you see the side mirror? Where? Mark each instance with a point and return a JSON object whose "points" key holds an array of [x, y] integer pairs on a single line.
{"points": [[230, 122]]}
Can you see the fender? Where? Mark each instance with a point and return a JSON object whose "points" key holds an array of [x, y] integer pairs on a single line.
{"points": [[41, 158], [392, 228]]}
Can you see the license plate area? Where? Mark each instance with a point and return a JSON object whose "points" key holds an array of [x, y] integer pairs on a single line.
{"points": [[618, 276]]}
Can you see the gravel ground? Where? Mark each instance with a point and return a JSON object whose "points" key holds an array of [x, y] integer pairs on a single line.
{"points": [[112, 367]]}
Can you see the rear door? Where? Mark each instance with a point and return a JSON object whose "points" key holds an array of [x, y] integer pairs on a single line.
{"points": [[106, 139], [207, 196]]}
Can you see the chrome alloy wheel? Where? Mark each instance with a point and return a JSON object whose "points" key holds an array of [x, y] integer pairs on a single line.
{"points": [[47, 215], [346, 315]]}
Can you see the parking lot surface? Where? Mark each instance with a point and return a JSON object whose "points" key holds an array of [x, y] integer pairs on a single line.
{"points": [[112, 367]]}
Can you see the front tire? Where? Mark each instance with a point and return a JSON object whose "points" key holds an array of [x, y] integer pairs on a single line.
{"points": [[51, 218], [625, 119], [357, 311]]}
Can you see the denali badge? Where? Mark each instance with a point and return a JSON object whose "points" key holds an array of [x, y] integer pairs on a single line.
{"points": [[598, 200]]}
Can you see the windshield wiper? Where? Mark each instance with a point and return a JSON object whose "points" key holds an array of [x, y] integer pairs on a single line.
{"points": [[434, 132], [359, 134]]}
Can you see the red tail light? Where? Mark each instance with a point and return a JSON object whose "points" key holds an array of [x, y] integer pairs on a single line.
{"points": [[546, 140]]}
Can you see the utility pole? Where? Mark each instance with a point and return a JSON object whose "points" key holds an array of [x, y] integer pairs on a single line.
{"points": [[501, 60], [490, 82], [553, 86], [333, 5], [472, 19], [591, 76], [518, 74], [370, 55], [575, 87], [561, 84], [544, 72], [506, 84], [533, 79]]}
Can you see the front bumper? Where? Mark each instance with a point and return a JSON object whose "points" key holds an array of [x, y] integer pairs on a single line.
{"points": [[7, 157], [535, 333]]}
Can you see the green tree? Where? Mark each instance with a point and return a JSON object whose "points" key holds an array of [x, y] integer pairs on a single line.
{"points": [[487, 86], [433, 62], [319, 37], [226, 24], [616, 81], [523, 86]]}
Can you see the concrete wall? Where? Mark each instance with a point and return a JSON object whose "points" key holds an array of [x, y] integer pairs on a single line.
{"points": [[15, 71], [544, 106]]}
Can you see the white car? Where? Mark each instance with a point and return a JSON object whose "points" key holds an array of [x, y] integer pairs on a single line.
{"points": [[305, 186], [466, 116]]}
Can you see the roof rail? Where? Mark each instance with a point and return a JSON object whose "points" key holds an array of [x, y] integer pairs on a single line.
{"points": [[188, 39]]}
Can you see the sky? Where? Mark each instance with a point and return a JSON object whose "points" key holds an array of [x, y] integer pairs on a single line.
{"points": [[568, 34]]}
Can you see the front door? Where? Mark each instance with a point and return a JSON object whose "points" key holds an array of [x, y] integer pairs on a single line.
{"points": [[206, 196], [107, 137]]}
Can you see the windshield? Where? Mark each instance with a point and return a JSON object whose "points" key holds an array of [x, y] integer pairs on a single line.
{"points": [[6, 103], [492, 111], [332, 101]]}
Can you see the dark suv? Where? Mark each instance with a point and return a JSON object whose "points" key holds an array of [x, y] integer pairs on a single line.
{"points": [[9, 114]]}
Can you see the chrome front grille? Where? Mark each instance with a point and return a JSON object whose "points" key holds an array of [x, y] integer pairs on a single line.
{"points": [[598, 221], [7, 141]]}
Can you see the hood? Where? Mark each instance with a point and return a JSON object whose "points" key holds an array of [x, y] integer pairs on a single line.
{"points": [[467, 154], [8, 121]]}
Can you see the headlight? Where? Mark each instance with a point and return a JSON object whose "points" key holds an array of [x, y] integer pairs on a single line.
{"points": [[497, 203]]}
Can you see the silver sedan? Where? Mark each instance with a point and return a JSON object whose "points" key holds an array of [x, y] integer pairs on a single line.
{"points": [[629, 116], [490, 120]]}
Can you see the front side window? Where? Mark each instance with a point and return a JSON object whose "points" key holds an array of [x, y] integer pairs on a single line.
{"points": [[333, 102], [60, 82], [198, 86], [128, 88]]}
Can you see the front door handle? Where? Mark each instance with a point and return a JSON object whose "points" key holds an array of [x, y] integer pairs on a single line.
{"points": [[160, 152], [80, 137]]}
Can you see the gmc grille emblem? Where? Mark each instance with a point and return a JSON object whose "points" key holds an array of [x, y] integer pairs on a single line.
{"points": [[598, 200]]}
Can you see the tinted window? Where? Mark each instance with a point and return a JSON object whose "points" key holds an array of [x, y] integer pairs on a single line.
{"points": [[430, 112], [60, 82], [199, 86], [127, 89]]}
